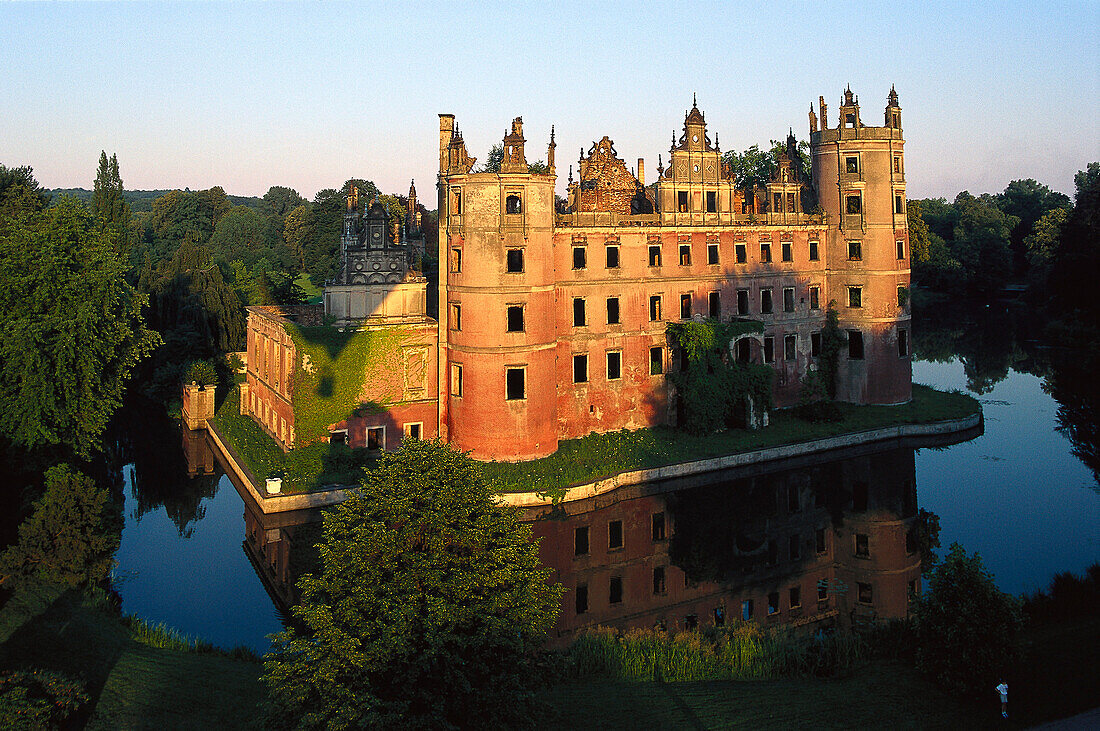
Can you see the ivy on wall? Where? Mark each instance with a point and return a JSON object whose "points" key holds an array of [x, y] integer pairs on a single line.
{"points": [[330, 373], [714, 387]]}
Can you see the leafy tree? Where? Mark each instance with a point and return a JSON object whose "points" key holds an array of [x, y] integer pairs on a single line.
{"points": [[72, 324], [493, 160], [933, 264], [320, 250], [281, 201], [297, 227], [425, 610], [244, 234], [1076, 269], [755, 167], [107, 198], [70, 538], [967, 629], [1028, 200], [981, 242], [20, 192], [1041, 245]]}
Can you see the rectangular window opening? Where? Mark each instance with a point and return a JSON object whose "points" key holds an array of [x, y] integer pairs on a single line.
{"points": [[456, 260], [376, 438], [712, 253], [712, 202], [581, 599], [855, 296], [789, 347], [456, 379], [740, 253], [863, 548], [788, 299], [794, 597], [580, 257], [773, 602], [615, 590], [659, 526], [654, 256], [515, 260], [795, 548], [903, 343], [515, 384], [714, 302], [579, 318], [786, 249], [769, 349], [815, 344], [580, 541], [580, 368], [685, 307], [655, 308], [855, 345], [656, 361], [614, 534], [456, 317], [901, 249], [855, 251], [765, 302], [612, 310], [765, 252], [658, 579], [813, 251], [515, 318], [685, 255], [614, 365], [742, 302], [612, 253]]}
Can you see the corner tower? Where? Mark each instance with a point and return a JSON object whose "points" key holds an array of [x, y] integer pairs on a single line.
{"points": [[859, 176], [496, 301]]}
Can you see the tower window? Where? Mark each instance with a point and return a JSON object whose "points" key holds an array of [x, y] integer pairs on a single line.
{"points": [[742, 302], [766, 251], [769, 349], [785, 249], [655, 307], [815, 344], [682, 201], [790, 203], [765, 302], [788, 299], [854, 205], [712, 253], [515, 260], [456, 379], [515, 318], [813, 251], [515, 384], [655, 255], [512, 204], [855, 296], [580, 257], [685, 307], [658, 579], [850, 119], [903, 295], [739, 253], [579, 318], [685, 255], [456, 201], [456, 260], [612, 253], [897, 164], [851, 164], [855, 251], [789, 346], [712, 202], [901, 249], [614, 535], [615, 590], [777, 204], [656, 361], [658, 526], [899, 204], [714, 300], [855, 345], [456, 317], [903, 343], [580, 368], [581, 599], [815, 298], [580, 541], [612, 310], [614, 365]]}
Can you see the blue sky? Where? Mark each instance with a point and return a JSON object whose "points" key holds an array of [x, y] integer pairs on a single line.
{"points": [[307, 95]]}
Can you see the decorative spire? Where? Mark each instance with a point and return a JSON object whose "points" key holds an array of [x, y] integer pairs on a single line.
{"points": [[716, 147], [550, 149], [570, 174]]}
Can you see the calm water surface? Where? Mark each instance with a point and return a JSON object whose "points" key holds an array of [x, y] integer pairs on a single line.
{"points": [[1018, 494]]}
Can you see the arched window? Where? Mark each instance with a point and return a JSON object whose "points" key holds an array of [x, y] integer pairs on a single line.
{"points": [[513, 204]]}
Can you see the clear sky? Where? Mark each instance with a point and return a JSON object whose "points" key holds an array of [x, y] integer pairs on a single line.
{"points": [[307, 95]]}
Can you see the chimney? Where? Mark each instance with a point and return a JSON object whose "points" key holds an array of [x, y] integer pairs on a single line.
{"points": [[641, 171]]}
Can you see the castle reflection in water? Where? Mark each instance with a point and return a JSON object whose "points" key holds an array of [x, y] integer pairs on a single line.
{"points": [[828, 540]]}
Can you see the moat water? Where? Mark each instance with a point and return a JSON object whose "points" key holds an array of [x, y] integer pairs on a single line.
{"points": [[1025, 494]]}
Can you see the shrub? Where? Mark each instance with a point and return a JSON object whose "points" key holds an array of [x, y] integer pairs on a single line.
{"points": [[201, 372], [38, 699]]}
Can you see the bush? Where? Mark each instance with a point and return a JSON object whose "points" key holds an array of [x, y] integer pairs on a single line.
{"points": [[38, 699], [201, 372], [967, 628]]}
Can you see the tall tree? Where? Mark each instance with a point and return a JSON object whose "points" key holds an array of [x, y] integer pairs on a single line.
{"points": [[73, 328], [1027, 200], [282, 201], [428, 602], [1076, 269], [107, 197], [20, 192]]}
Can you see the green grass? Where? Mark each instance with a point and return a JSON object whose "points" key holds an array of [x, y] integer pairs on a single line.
{"points": [[314, 295], [597, 456], [132, 682]]}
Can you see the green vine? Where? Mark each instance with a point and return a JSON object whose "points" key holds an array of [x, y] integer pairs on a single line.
{"points": [[832, 340], [714, 387]]}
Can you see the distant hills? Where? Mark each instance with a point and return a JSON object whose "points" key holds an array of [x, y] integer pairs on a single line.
{"points": [[142, 200]]}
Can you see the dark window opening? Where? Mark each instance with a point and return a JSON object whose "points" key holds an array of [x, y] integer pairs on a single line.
{"points": [[903, 343], [659, 526], [456, 379], [515, 384], [855, 251], [712, 202], [822, 590], [685, 255], [743, 352], [456, 260], [615, 590], [765, 302], [742, 302], [769, 350], [414, 431], [376, 438], [655, 256], [612, 310], [785, 251], [794, 547], [897, 164], [714, 301], [456, 201], [515, 318], [854, 205], [794, 597], [864, 591], [739, 253], [855, 296], [456, 317], [901, 249], [615, 534], [580, 369], [777, 204], [746, 610], [855, 345], [850, 120], [899, 204], [655, 307], [580, 257], [612, 253], [819, 540], [773, 602], [712, 253], [911, 544], [815, 344], [813, 251], [860, 496], [580, 541], [789, 347], [815, 298], [685, 307], [338, 437], [614, 365], [691, 622], [682, 361], [788, 299], [682, 201], [579, 319], [515, 260], [719, 616], [659, 580], [765, 252], [863, 548], [851, 164], [512, 204], [790, 203], [581, 599], [656, 361]]}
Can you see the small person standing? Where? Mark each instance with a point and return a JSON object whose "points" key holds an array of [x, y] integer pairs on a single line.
{"points": [[1003, 690]]}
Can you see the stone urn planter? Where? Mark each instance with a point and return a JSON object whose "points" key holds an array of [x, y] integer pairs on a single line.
{"points": [[274, 485]]}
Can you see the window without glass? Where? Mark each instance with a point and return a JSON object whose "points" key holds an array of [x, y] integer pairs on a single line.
{"points": [[813, 251], [456, 260], [819, 540], [658, 579], [581, 598], [580, 257], [853, 205], [515, 260], [456, 201], [376, 438], [742, 302], [612, 253], [512, 204], [456, 317], [685, 307], [615, 534], [815, 344], [855, 345], [899, 204], [903, 343], [855, 296], [851, 164], [655, 256], [773, 602], [714, 300], [456, 379], [655, 307], [515, 384], [515, 318], [769, 349], [659, 526], [746, 610], [815, 298], [656, 361], [685, 255], [822, 591], [794, 547], [790, 202], [864, 592], [719, 616], [580, 368], [579, 319], [785, 248], [789, 347], [413, 431], [712, 202], [788, 299], [682, 201], [855, 251], [765, 302], [766, 252], [901, 249], [712, 253], [860, 496], [777, 205], [614, 365], [897, 164], [615, 590], [863, 548], [612, 310], [794, 597], [580, 541], [739, 253]]}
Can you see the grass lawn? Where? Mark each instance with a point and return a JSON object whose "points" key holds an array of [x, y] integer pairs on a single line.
{"points": [[132, 684]]}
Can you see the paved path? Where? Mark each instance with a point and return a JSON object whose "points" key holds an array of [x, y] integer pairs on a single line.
{"points": [[1086, 720]]}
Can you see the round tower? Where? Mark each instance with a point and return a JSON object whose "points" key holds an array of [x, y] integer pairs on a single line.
{"points": [[859, 176], [496, 323]]}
